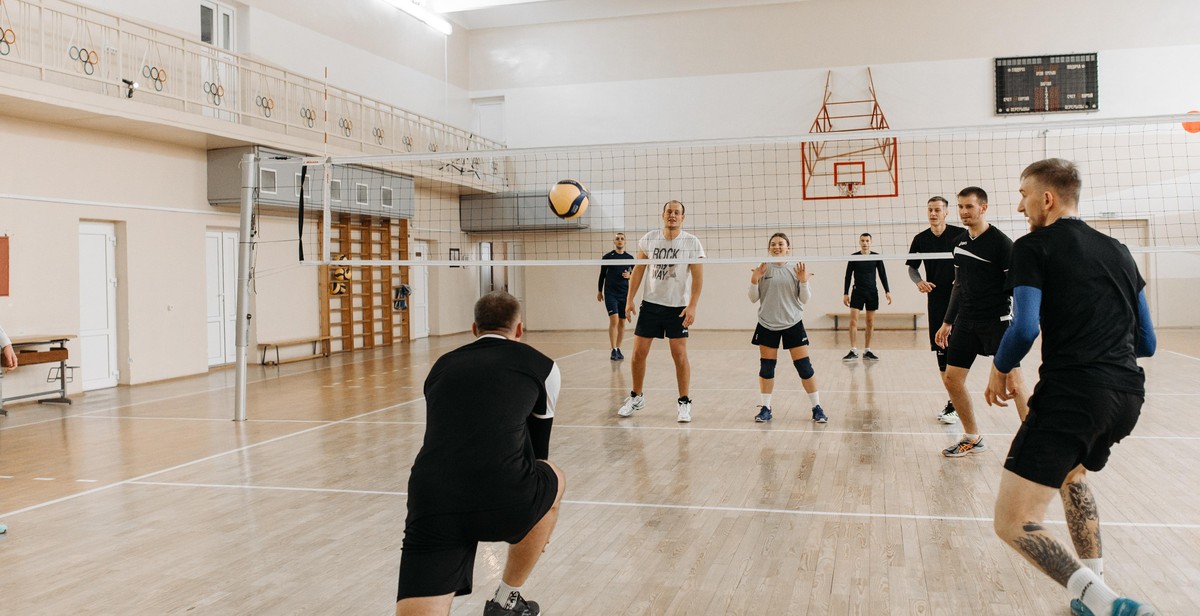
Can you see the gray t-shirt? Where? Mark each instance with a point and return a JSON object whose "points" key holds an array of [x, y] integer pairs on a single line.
{"points": [[781, 297]]}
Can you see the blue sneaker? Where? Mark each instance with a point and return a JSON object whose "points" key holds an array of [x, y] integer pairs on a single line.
{"points": [[613, 355], [819, 414], [764, 415], [1123, 606], [620, 355]]}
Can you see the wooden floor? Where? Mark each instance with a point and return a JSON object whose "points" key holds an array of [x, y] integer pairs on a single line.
{"points": [[149, 500]]}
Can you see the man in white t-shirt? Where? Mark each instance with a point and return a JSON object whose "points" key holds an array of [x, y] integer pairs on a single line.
{"points": [[668, 304]]}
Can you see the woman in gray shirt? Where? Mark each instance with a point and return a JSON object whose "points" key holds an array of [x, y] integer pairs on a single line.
{"points": [[781, 291]]}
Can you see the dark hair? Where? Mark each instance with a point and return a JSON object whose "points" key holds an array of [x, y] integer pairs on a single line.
{"points": [[784, 236], [1061, 176], [682, 208], [620, 233], [945, 204], [864, 234], [974, 191], [497, 311]]}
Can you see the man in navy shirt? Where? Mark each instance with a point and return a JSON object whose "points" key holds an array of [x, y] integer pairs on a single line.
{"points": [[612, 289], [1083, 289], [865, 295]]}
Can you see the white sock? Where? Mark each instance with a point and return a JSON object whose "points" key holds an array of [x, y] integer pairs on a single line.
{"points": [[766, 399], [853, 349], [867, 350], [971, 437], [506, 595], [1095, 564], [815, 398], [1086, 586]]}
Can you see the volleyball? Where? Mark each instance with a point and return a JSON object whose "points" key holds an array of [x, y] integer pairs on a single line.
{"points": [[568, 199]]}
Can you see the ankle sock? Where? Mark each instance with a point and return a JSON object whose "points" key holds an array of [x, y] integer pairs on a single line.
{"points": [[1086, 586]]}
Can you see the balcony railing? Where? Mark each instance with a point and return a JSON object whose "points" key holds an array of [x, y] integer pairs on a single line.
{"points": [[93, 51]]}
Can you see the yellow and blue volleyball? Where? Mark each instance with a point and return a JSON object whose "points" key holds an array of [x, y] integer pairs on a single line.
{"points": [[568, 199]]}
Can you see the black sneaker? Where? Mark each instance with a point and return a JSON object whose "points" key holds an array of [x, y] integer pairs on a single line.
{"points": [[613, 355], [851, 356], [521, 608], [764, 415], [948, 415], [818, 414], [620, 355], [869, 356]]}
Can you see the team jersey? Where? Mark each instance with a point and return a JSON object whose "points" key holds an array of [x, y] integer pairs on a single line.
{"points": [[669, 284], [478, 453], [980, 269], [863, 273], [1089, 313], [781, 297], [940, 272], [612, 283]]}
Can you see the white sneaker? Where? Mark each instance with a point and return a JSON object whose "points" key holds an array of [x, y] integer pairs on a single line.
{"points": [[685, 411], [631, 404]]}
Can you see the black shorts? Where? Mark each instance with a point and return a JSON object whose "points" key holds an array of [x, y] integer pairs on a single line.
{"points": [[615, 304], [1069, 425], [655, 321], [792, 337], [937, 305], [438, 552], [868, 298], [970, 339]]}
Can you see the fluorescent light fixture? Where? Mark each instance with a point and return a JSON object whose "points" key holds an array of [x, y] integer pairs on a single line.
{"points": [[455, 6], [425, 15]]}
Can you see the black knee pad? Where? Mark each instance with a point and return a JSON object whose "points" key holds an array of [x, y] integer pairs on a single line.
{"points": [[804, 367], [766, 368]]}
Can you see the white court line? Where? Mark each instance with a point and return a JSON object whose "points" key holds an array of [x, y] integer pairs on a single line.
{"points": [[766, 430], [867, 392], [703, 508], [1181, 354]]}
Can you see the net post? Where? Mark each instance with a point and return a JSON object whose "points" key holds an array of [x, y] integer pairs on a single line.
{"points": [[249, 187]]}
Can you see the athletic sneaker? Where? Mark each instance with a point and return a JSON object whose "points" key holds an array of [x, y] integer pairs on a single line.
{"points": [[620, 355], [1123, 606], [522, 608], [685, 411], [948, 416], [819, 414], [851, 356], [763, 415], [3, 529], [613, 355], [869, 356], [634, 402], [964, 447]]}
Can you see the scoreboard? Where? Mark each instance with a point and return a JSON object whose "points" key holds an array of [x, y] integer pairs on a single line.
{"points": [[1046, 84]]}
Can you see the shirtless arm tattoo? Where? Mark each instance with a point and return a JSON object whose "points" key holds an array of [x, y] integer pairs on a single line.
{"points": [[1046, 553], [1083, 519]]}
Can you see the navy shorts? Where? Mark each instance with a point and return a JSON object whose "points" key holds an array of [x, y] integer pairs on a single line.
{"points": [[438, 552], [1070, 425], [864, 298], [970, 339], [655, 321], [615, 305], [792, 337]]}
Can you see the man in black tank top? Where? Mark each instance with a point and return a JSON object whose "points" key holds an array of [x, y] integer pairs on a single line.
{"points": [[482, 473], [979, 311], [938, 280]]}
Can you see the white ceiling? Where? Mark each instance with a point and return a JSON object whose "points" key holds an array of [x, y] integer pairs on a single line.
{"points": [[479, 14]]}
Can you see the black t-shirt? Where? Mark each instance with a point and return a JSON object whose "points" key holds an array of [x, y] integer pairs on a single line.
{"points": [[863, 273], [938, 271], [1089, 315], [980, 270], [611, 282], [477, 453]]}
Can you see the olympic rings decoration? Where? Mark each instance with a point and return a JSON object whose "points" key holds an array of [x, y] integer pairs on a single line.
{"points": [[407, 140], [155, 74], [215, 90], [266, 103], [433, 147], [346, 125], [309, 115], [8, 38], [378, 132], [89, 58]]}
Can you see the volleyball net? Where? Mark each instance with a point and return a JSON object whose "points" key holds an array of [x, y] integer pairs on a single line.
{"points": [[1141, 182]]}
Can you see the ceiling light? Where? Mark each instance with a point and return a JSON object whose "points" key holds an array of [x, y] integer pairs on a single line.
{"points": [[423, 14]]}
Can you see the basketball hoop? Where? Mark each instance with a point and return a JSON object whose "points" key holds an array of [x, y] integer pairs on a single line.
{"points": [[847, 189]]}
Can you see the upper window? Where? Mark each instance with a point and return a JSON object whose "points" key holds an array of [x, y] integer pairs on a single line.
{"points": [[217, 24]]}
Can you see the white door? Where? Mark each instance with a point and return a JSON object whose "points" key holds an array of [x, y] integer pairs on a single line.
{"points": [[221, 291], [98, 305], [218, 71], [418, 307]]}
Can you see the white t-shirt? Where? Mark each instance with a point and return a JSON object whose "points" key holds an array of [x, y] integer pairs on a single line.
{"points": [[668, 284]]}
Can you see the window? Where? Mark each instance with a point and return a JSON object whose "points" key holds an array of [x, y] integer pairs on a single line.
{"points": [[385, 197], [217, 24], [362, 194], [335, 190], [267, 182]]}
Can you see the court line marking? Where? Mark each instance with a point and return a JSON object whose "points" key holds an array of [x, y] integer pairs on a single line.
{"points": [[703, 508], [1181, 354], [866, 392]]}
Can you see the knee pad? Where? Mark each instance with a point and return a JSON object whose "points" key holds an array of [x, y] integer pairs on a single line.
{"points": [[941, 357], [804, 367], [766, 368]]}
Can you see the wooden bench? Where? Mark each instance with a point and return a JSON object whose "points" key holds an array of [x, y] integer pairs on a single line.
{"points": [[880, 313], [26, 356], [320, 348]]}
